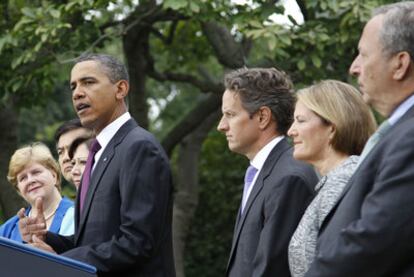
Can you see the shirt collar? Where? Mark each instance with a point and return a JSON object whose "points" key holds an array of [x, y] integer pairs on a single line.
{"points": [[260, 158], [105, 136], [401, 110]]}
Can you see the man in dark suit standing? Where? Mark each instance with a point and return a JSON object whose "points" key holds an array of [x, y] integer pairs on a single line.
{"points": [[123, 224], [371, 230], [257, 108]]}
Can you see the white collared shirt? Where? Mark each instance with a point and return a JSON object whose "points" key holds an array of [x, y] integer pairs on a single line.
{"points": [[401, 110], [260, 158], [105, 136]]}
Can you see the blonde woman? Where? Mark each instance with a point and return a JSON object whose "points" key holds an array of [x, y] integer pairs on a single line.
{"points": [[331, 126], [34, 173]]}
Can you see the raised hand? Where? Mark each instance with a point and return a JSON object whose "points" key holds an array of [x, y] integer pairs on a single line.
{"points": [[35, 224], [38, 243]]}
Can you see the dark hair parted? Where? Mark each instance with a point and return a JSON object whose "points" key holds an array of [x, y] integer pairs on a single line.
{"points": [[67, 126], [77, 142], [258, 87], [113, 68]]}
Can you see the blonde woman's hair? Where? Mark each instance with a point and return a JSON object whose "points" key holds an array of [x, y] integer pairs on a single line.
{"points": [[341, 105], [36, 152]]}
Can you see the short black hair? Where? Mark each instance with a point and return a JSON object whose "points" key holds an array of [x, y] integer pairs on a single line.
{"points": [[67, 126], [114, 69], [75, 144]]}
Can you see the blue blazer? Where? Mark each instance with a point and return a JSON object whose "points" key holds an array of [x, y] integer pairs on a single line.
{"points": [[10, 228]]}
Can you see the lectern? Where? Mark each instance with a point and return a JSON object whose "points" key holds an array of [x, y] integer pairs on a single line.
{"points": [[21, 260]]}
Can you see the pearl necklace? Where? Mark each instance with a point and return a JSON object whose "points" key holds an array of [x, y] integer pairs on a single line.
{"points": [[49, 216]]}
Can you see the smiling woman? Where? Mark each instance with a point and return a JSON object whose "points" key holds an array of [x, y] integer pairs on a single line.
{"points": [[331, 125], [35, 174]]}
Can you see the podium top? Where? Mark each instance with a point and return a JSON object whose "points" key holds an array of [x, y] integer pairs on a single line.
{"points": [[27, 249]]}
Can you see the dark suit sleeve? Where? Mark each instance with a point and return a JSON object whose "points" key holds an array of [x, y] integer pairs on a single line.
{"points": [[59, 243], [145, 211], [284, 207], [380, 242]]}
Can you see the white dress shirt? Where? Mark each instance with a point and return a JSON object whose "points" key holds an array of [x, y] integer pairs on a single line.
{"points": [[105, 136], [260, 158]]}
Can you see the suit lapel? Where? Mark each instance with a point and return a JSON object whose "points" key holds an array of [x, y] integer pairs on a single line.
{"points": [[98, 172], [409, 114], [267, 168]]}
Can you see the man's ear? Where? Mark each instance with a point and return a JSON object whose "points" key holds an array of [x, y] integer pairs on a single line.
{"points": [[264, 116], [122, 89], [401, 65]]}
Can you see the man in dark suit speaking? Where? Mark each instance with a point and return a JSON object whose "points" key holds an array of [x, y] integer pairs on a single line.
{"points": [[371, 230], [257, 108], [124, 206]]}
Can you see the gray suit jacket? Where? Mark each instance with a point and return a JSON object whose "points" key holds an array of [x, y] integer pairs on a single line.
{"points": [[276, 203], [125, 228], [370, 232]]}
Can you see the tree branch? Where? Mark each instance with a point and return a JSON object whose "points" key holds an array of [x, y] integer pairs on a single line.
{"points": [[6, 14], [171, 32], [207, 85], [191, 121], [203, 86], [304, 11], [110, 24], [228, 51]]}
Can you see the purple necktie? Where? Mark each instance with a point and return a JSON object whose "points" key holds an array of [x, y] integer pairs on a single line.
{"points": [[248, 180], [86, 177]]}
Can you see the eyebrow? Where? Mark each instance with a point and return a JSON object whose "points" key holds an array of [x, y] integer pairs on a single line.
{"points": [[83, 79]]}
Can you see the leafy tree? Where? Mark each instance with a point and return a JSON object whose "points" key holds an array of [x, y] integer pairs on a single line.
{"points": [[177, 52], [210, 235]]}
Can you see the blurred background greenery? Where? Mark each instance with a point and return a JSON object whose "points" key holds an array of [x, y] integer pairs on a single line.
{"points": [[177, 52]]}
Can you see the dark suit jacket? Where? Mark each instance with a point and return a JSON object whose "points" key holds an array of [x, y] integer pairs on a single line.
{"points": [[282, 191], [371, 230], [125, 228]]}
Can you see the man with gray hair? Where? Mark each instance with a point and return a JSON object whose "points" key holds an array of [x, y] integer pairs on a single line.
{"points": [[370, 232]]}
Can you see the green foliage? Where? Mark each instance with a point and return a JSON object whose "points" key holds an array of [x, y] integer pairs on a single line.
{"points": [[322, 47], [39, 38], [173, 102], [31, 40], [209, 241], [186, 52]]}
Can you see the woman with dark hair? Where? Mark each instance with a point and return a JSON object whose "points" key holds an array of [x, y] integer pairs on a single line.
{"points": [[78, 153]]}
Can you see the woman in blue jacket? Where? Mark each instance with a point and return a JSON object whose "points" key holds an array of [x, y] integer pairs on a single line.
{"points": [[35, 174]]}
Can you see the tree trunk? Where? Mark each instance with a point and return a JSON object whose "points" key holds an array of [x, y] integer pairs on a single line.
{"points": [[135, 41], [186, 197], [10, 201]]}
